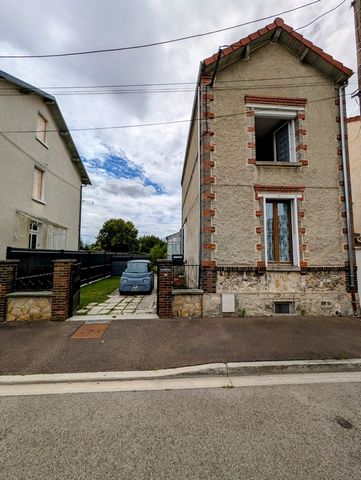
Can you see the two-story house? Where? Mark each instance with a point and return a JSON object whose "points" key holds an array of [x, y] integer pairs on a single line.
{"points": [[41, 171], [266, 204]]}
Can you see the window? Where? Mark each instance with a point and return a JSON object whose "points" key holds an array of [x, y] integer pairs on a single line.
{"points": [[38, 185], [275, 136], [283, 308], [279, 231], [33, 235], [41, 128], [280, 225]]}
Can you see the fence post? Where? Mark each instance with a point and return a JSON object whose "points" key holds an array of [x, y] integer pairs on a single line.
{"points": [[61, 289], [165, 284], [7, 281]]}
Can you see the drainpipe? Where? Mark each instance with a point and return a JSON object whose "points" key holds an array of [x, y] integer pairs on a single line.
{"points": [[80, 207], [341, 93], [199, 113]]}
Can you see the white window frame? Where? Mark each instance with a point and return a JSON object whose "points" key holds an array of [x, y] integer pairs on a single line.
{"points": [[284, 113], [293, 197], [291, 141], [42, 196], [35, 233]]}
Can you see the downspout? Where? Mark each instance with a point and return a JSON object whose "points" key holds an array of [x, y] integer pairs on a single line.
{"points": [[80, 208], [349, 225], [199, 118]]}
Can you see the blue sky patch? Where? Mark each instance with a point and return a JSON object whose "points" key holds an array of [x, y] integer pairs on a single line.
{"points": [[117, 166]]}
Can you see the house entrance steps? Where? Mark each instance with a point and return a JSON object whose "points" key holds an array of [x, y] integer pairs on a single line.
{"points": [[119, 307]]}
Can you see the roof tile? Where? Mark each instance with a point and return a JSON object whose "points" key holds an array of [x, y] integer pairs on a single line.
{"points": [[278, 22]]}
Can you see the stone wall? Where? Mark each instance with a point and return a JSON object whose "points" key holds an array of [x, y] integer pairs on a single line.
{"points": [[312, 293], [28, 306], [187, 303]]}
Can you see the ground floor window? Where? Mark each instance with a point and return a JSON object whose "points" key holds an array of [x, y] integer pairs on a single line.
{"points": [[279, 231], [33, 235]]}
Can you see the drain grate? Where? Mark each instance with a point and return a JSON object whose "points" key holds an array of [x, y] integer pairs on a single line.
{"points": [[91, 331]]}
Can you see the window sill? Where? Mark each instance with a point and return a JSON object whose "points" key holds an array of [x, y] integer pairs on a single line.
{"points": [[282, 268], [278, 164], [39, 201], [43, 144]]}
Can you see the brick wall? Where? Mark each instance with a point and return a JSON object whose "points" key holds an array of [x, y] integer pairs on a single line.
{"points": [[61, 289], [7, 279], [165, 285]]}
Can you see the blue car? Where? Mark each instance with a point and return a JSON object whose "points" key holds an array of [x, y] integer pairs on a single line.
{"points": [[137, 278]]}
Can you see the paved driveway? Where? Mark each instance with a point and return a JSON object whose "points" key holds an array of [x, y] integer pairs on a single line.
{"points": [[119, 305]]}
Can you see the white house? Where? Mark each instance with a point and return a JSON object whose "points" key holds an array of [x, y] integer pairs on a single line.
{"points": [[41, 171]]}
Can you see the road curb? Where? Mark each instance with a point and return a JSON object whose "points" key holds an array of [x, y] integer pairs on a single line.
{"points": [[210, 370], [294, 366]]}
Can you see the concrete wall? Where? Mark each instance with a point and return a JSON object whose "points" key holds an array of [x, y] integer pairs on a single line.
{"points": [[191, 200], [354, 145], [19, 153]]}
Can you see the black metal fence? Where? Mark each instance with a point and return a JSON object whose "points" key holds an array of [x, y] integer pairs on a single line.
{"points": [[36, 266], [186, 276], [36, 277]]}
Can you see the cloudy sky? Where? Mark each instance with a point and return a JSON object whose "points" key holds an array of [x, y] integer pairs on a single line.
{"points": [[135, 172]]}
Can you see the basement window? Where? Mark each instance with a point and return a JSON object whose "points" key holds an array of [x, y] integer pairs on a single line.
{"points": [[283, 308], [275, 136]]}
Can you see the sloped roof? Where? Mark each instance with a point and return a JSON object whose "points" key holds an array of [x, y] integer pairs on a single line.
{"points": [[26, 88], [287, 36]]}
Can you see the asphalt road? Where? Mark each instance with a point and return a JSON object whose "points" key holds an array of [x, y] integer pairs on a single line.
{"points": [[47, 347], [281, 432]]}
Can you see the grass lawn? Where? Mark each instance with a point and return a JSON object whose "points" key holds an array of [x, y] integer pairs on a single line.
{"points": [[98, 291]]}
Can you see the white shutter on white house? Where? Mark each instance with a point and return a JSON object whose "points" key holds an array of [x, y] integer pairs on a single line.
{"points": [[38, 184], [41, 128]]}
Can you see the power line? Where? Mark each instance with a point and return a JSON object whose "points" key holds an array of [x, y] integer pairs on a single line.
{"points": [[172, 122], [322, 15], [126, 85], [164, 42], [170, 90]]}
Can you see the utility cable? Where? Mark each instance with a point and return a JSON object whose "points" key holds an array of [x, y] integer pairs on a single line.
{"points": [[154, 124], [164, 42]]}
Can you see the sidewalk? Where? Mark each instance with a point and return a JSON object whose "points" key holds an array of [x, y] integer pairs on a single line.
{"points": [[47, 347]]}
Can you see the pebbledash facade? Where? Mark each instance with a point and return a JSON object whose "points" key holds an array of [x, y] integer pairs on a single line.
{"points": [[266, 210]]}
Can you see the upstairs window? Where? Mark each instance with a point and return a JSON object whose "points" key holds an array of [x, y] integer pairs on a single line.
{"points": [[38, 184], [275, 136], [41, 126]]}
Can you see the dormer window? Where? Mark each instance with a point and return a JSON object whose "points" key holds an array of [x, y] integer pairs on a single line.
{"points": [[41, 127]]}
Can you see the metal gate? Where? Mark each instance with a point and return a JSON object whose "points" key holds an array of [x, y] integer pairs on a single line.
{"points": [[74, 293]]}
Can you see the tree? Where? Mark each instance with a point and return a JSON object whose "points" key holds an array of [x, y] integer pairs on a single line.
{"points": [[117, 235], [147, 242], [158, 251]]}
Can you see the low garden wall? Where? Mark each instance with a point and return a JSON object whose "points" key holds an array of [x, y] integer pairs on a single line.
{"points": [[28, 306], [187, 303]]}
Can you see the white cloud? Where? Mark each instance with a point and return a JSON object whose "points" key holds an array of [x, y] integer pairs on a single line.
{"points": [[43, 26]]}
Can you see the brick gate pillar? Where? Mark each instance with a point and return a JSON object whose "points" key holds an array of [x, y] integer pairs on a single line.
{"points": [[7, 280], [165, 285], [61, 289]]}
